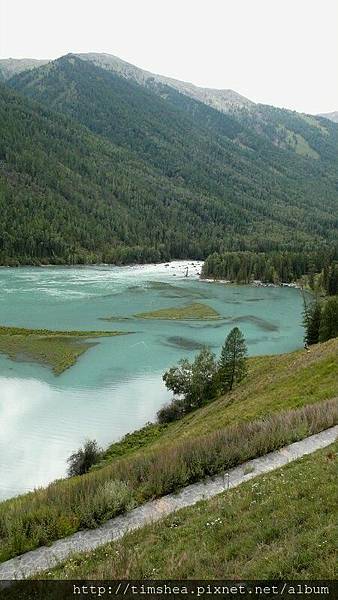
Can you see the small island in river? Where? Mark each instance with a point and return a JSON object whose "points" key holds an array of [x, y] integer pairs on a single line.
{"points": [[58, 350], [194, 311]]}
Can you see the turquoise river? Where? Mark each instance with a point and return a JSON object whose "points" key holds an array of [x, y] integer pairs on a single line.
{"points": [[116, 386]]}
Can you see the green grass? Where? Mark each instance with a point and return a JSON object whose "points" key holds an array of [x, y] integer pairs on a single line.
{"points": [[195, 311], [58, 350], [274, 383], [135, 440], [150, 459], [277, 526], [66, 506]]}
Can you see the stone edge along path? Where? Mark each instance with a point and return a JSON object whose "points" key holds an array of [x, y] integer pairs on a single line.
{"points": [[47, 557]]}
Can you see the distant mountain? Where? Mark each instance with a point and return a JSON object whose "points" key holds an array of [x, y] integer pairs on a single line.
{"points": [[284, 128], [333, 116], [223, 100], [14, 66], [123, 172]]}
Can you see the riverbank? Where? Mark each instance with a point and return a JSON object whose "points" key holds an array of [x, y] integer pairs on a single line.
{"points": [[252, 418], [182, 269], [254, 283]]}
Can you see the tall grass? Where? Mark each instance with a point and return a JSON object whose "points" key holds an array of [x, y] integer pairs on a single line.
{"points": [[66, 506]]}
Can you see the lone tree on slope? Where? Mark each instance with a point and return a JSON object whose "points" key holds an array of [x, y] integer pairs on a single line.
{"points": [[232, 363]]}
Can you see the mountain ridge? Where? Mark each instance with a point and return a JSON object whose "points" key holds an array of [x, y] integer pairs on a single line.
{"points": [[13, 66], [332, 116], [152, 175], [221, 99]]}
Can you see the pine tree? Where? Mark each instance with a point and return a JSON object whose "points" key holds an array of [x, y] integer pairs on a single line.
{"points": [[332, 283], [312, 324], [232, 363], [329, 320]]}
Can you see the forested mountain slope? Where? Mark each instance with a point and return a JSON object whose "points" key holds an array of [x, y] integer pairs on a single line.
{"points": [[67, 195], [246, 178], [222, 100], [284, 128], [129, 174]]}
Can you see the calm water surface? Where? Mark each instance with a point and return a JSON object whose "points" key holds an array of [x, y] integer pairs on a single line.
{"points": [[116, 386]]}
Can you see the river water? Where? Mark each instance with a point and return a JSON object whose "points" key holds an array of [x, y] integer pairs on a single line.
{"points": [[116, 386]]}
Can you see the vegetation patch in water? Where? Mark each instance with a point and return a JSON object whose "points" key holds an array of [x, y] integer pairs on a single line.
{"points": [[261, 323], [58, 350], [168, 290], [195, 311], [182, 342]]}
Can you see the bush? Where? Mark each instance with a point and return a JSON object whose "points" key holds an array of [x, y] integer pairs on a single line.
{"points": [[81, 461], [110, 499], [171, 412]]}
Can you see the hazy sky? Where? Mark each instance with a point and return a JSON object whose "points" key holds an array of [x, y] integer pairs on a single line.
{"points": [[281, 52]]}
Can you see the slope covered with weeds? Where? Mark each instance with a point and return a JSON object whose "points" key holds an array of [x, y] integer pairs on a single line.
{"points": [[66, 506], [274, 383], [277, 526]]}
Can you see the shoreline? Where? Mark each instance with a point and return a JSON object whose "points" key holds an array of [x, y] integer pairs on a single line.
{"points": [[180, 266]]}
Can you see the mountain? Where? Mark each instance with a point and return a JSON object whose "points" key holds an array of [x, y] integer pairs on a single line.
{"points": [[222, 100], [115, 171], [284, 128], [13, 66], [68, 196], [333, 116]]}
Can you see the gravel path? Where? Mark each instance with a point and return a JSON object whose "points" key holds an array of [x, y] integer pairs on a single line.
{"points": [[47, 557]]}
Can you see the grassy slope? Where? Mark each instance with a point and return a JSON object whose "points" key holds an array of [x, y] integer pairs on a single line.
{"points": [[274, 383], [158, 460], [286, 530], [58, 350]]}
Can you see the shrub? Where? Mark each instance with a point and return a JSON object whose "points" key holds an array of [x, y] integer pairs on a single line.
{"points": [[81, 461], [111, 498], [171, 412]]}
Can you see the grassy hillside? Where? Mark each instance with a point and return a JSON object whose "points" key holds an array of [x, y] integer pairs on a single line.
{"points": [[160, 459], [274, 383], [277, 526], [231, 187]]}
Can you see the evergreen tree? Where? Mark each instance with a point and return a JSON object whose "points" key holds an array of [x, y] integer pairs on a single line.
{"points": [[312, 323], [232, 363], [332, 283], [329, 320]]}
